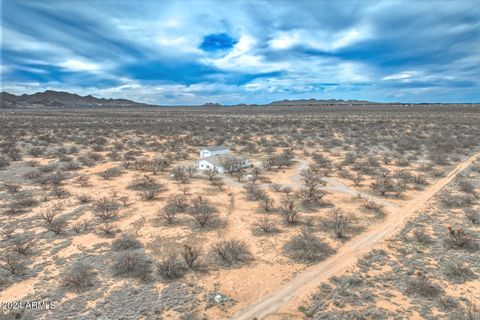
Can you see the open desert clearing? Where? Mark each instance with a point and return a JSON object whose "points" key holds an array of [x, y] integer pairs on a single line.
{"points": [[289, 296]]}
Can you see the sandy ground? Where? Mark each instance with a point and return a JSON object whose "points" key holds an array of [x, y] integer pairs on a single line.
{"points": [[284, 301], [271, 270]]}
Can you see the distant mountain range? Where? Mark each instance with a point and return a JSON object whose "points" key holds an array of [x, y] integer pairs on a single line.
{"points": [[58, 99]]}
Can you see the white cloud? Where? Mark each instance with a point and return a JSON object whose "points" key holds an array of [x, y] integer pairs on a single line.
{"points": [[79, 65], [404, 76], [245, 58], [320, 40]]}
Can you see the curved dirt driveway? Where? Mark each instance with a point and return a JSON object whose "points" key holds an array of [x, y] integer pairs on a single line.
{"points": [[332, 185], [306, 282]]}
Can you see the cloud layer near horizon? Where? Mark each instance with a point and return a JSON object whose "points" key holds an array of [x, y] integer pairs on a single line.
{"points": [[189, 52]]}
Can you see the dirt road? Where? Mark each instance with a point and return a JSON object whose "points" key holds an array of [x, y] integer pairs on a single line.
{"points": [[306, 282]]}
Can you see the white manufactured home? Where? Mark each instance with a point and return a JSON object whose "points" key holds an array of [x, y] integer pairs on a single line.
{"points": [[218, 159]]}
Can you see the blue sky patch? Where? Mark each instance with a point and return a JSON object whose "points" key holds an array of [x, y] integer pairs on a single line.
{"points": [[217, 41]]}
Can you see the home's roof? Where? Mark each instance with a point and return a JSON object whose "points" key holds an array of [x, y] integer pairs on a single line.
{"points": [[217, 148], [221, 160]]}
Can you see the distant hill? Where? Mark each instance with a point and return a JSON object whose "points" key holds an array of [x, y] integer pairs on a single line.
{"points": [[315, 102], [59, 99]]}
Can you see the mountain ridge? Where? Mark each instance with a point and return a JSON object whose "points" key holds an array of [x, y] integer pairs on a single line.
{"points": [[61, 99]]}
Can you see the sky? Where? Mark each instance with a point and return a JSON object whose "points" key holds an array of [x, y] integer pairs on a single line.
{"points": [[238, 51]]}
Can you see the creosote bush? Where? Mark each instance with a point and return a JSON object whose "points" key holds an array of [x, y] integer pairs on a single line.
{"points": [[126, 241], [170, 266], [422, 285], [307, 248], [232, 251], [132, 263], [79, 276]]}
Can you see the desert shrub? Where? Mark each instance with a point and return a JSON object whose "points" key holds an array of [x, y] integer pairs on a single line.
{"points": [[150, 192], [457, 200], [338, 221], [108, 229], [421, 237], [254, 192], [60, 192], [276, 187], [373, 206], [57, 225], [169, 212], [12, 262], [306, 247], [126, 241], [420, 179], [7, 233], [357, 179], [466, 186], [111, 173], [457, 237], [4, 162], [144, 182], [191, 254], [132, 263], [457, 271], [22, 245], [472, 215], [421, 285], [170, 266], [83, 180], [125, 201], [80, 226], [84, 198], [266, 224], [25, 199], [383, 185], [266, 203], [310, 194], [12, 188], [288, 210], [57, 178], [79, 276], [105, 208], [203, 211], [468, 311], [232, 251], [180, 173]]}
